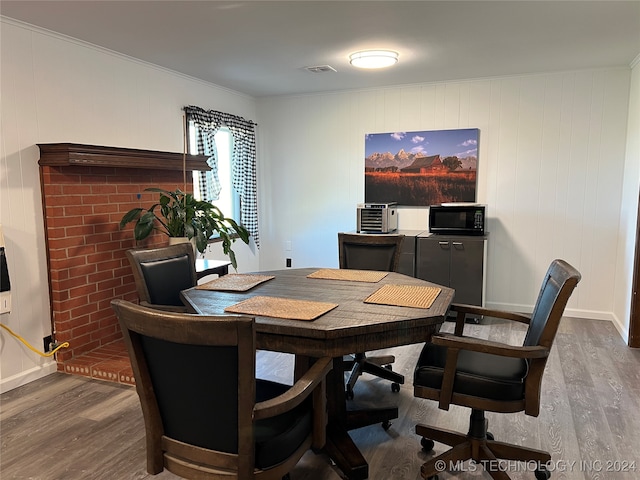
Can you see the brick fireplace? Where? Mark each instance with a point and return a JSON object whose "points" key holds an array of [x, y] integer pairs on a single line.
{"points": [[85, 191]]}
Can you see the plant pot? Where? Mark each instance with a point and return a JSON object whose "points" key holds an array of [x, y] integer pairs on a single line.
{"points": [[177, 240]]}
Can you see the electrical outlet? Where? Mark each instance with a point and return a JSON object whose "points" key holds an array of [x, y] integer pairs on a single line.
{"points": [[288, 262], [5, 302]]}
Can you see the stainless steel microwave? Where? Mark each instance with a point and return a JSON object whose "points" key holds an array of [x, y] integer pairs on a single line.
{"points": [[458, 219]]}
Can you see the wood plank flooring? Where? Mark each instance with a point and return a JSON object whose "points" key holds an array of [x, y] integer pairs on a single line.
{"points": [[74, 428]]}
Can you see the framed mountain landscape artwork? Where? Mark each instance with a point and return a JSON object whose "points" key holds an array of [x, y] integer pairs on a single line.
{"points": [[421, 168]]}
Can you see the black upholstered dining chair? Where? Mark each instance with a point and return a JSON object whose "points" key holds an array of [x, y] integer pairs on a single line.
{"points": [[206, 415], [490, 376], [161, 273], [370, 252]]}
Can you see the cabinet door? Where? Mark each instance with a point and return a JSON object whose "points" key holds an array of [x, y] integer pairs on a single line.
{"points": [[467, 258], [406, 264], [433, 260]]}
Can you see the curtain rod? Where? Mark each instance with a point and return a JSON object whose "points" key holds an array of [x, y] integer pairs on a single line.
{"points": [[237, 117]]}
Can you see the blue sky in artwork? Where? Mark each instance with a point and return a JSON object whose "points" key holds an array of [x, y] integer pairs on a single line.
{"points": [[461, 142]]}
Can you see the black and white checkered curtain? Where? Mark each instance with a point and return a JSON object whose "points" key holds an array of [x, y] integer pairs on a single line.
{"points": [[243, 161], [209, 182]]}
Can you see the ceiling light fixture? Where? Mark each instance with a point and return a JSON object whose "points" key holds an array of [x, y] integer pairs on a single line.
{"points": [[373, 58]]}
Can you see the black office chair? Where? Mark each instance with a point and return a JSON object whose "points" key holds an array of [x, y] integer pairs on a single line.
{"points": [[206, 415], [491, 376], [161, 273], [370, 252]]}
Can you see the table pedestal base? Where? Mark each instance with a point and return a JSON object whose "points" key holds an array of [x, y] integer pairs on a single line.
{"points": [[340, 446], [369, 416]]}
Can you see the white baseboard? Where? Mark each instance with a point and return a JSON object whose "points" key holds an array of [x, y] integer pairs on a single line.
{"points": [[568, 312], [623, 330], [589, 314], [28, 376], [509, 307]]}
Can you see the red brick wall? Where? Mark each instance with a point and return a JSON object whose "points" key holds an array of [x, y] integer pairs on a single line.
{"points": [[86, 248]]}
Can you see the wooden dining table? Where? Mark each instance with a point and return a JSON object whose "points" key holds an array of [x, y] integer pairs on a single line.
{"points": [[352, 326]]}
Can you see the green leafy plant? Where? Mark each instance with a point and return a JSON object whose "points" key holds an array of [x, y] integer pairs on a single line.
{"points": [[179, 214]]}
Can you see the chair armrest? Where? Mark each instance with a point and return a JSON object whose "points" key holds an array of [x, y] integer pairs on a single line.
{"points": [[297, 393], [463, 310], [455, 344], [475, 310], [487, 346]]}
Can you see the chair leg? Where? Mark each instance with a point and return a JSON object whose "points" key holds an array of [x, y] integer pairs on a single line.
{"points": [[382, 360], [378, 371], [448, 437], [516, 452], [362, 364], [476, 446], [373, 365], [348, 361], [490, 463], [356, 371], [458, 453]]}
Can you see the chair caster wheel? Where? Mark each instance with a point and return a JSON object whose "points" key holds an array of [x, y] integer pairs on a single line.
{"points": [[386, 425], [427, 445], [542, 473], [395, 387], [349, 393], [490, 436]]}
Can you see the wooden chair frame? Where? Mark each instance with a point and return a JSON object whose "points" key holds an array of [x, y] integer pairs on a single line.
{"points": [[370, 240], [476, 444], [360, 362], [194, 462], [138, 256]]}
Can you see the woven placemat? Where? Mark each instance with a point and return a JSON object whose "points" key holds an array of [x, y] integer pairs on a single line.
{"points": [[281, 308], [235, 282], [371, 276], [404, 296]]}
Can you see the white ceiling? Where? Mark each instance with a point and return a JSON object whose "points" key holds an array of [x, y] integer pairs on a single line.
{"points": [[260, 48]]}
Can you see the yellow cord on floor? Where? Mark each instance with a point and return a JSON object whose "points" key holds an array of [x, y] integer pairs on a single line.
{"points": [[50, 354]]}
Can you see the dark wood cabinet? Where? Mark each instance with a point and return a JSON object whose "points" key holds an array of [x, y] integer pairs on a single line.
{"points": [[454, 261], [407, 265]]}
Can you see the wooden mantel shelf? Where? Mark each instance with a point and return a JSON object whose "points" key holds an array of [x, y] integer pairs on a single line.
{"points": [[66, 154]]}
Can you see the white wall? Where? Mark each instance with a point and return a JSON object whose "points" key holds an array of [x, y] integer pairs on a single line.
{"points": [[551, 165], [629, 209], [54, 90]]}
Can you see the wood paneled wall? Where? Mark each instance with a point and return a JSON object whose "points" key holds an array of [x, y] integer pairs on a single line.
{"points": [[551, 165], [551, 149]]}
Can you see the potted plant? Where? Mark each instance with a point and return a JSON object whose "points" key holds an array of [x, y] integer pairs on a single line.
{"points": [[179, 214]]}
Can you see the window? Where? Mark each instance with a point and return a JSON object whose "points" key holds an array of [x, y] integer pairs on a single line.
{"points": [[230, 143], [228, 200]]}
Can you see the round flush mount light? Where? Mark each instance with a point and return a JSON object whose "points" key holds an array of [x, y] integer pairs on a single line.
{"points": [[373, 58]]}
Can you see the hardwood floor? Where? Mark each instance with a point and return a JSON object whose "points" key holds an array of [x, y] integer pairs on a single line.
{"points": [[74, 428]]}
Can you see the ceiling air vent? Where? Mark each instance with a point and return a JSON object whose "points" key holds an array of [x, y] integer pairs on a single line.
{"points": [[320, 69]]}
